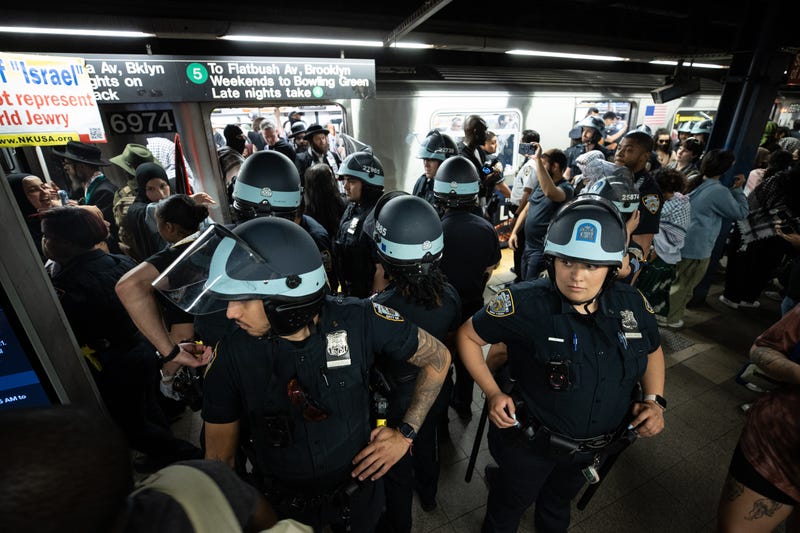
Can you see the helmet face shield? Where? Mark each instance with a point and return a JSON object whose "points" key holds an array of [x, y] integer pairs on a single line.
{"points": [[218, 267]]}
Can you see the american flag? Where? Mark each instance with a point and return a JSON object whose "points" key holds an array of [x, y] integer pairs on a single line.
{"points": [[655, 115]]}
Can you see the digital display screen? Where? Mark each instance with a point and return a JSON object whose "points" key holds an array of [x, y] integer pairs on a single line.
{"points": [[20, 385]]}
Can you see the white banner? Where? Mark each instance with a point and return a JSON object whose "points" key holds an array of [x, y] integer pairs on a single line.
{"points": [[46, 100]]}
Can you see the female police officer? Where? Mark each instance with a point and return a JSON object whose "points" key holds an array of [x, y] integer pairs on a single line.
{"points": [[578, 344], [294, 373]]}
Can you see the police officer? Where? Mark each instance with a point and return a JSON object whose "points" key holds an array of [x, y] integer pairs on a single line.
{"points": [[634, 152], [409, 239], [702, 131], [358, 270], [435, 148], [268, 185], [295, 371], [471, 253], [578, 344], [592, 131], [615, 184]]}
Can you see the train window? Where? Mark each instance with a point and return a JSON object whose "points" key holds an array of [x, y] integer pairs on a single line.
{"points": [[244, 117], [505, 123]]}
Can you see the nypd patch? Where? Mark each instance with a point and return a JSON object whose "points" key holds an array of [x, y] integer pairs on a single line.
{"points": [[651, 202], [501, 305], [586, 232], [387, 313], [646, 303]]}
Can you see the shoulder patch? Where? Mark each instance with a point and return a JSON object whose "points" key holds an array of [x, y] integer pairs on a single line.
{"points": [[501, 305], [646, 303], [651, 202], [387, 313]]}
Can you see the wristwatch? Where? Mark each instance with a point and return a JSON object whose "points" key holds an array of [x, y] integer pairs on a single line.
{"points": [[407, 431], [662, 403]]}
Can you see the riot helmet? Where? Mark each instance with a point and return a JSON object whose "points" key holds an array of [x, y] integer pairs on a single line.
{"points": [[268, 184], [456, 183], [408, 234], [437, 145], [588, 229], [364, 166], [685, 126], [269, 259], [645, 128], [593, 122], [703, 128], [615, 183]]}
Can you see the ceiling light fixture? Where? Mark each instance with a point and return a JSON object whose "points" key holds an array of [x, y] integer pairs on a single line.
{"points": [[418, 46], [73, 31], [301, 40], [698, 65], [563, 55]]}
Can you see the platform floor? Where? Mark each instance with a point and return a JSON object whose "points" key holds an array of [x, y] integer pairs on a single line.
{"points": [[669, 483]]}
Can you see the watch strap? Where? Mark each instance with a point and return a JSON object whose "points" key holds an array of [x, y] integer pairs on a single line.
{"points": [[407, 431], [660, 400]]}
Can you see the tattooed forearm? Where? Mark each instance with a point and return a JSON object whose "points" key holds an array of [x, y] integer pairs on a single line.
{"points": [[430, 352], [434, 359], [763, 507], [775, 364], [732, 489]]}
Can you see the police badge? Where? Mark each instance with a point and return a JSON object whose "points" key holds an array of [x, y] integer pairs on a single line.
{"points": [[337, 351], [628, 320]]}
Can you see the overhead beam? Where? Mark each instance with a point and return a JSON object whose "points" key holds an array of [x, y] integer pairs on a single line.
{"points": [[423, 13]]}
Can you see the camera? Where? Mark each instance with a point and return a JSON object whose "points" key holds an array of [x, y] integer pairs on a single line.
{"points": [[558, 378]]}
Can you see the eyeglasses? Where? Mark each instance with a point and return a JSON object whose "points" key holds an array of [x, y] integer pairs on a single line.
{"points": [[312, 411], [663, 141]]}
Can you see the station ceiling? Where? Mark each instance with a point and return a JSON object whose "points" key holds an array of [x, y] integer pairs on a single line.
{"points": [[460, 33]]}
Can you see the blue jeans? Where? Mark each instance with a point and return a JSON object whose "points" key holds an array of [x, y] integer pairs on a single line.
{"points": [[532, 263]]}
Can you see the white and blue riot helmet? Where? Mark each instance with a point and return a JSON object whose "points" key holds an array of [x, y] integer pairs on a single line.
{"points": [[456, 183], [364, 166], [270, 259], [704, 127], [437, 145], [408, 234], [615, 183], [588, 229], [268, 184]]}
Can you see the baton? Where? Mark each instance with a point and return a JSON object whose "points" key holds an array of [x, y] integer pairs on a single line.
{"points": [[473, 456]]}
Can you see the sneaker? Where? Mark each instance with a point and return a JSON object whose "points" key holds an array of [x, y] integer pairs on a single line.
{"points": [[732, 305], [428, 507], [750, 305], [773, 295], [675, 325], [661, 320]]}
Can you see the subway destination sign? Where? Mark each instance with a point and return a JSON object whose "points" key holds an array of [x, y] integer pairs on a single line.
{"points": [[129, 79]]}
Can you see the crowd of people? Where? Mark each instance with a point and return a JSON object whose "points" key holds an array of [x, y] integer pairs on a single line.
{"points": [[326, 330]]}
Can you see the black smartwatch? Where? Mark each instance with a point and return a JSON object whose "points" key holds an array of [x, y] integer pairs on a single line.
{"points": [[662, 403], [407, 431], [170, 356]]}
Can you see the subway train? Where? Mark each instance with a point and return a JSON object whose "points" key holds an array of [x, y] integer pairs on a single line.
{"points": [[390, 110]]}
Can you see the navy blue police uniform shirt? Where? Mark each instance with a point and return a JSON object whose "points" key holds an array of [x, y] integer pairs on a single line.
{"points": [[470, 247], [438, 322], [354, 251], [606, 353], [247, 380], [423, 188], [650, 203]]}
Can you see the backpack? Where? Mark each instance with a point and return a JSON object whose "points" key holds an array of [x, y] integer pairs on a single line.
{"points": [[203, 501]]}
